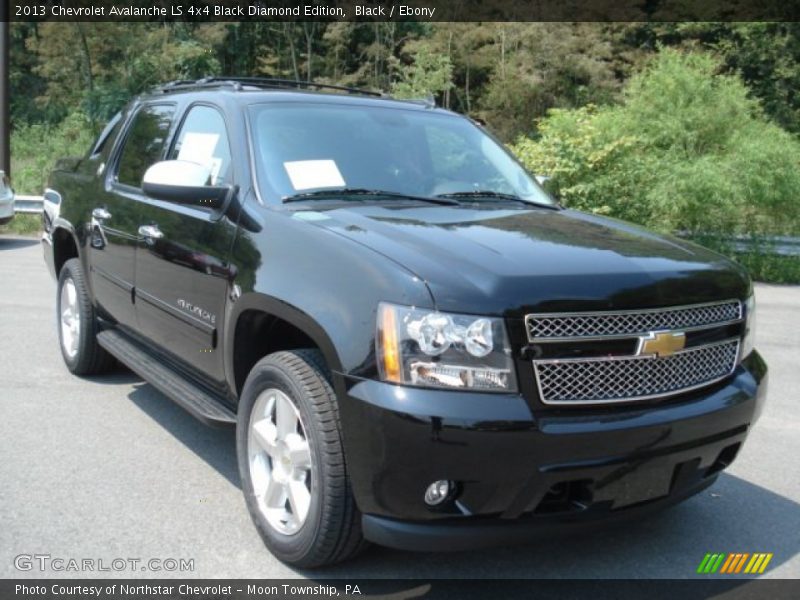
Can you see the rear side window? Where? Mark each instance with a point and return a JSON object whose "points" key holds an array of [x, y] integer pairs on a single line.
{"points": [[203, 139], [144, 143]]}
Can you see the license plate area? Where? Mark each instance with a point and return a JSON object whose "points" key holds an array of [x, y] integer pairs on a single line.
{"points": [[632, 485]]}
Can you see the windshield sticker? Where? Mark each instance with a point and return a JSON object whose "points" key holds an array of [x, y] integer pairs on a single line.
{"points": [[312, 174], [198, 148]]}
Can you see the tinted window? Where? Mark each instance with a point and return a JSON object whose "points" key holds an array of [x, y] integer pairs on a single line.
{"points": [[310, 147], [144, 143], [204, 139]]}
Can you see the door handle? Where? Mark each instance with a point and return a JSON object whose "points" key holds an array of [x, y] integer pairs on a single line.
{"points": [[101, 214], [150, 232]]}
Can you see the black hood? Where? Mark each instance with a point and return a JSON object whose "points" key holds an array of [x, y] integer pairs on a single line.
{"points": [[510, 261]]}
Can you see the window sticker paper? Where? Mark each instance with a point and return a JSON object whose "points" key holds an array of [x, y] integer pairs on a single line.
{"points": [[312, 174], [198, 148]]}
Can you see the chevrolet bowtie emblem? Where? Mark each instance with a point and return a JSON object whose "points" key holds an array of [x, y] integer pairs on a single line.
{"points": [[661, 343]]}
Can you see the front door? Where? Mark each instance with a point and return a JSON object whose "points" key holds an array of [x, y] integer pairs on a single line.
{"points": [[115, 213], [182, 273]]}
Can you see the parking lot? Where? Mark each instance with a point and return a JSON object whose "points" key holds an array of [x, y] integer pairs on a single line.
{"points": [[107, 468]]}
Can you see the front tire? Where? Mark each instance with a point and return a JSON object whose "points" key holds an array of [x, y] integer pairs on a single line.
{"points": [[77, 324], [292, 464]]}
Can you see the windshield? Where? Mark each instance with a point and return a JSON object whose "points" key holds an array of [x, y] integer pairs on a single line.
{"points": [[306, 148]]}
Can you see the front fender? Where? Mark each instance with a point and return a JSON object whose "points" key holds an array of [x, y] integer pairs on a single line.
{"points": [[326, 285], [53, 241], [285, 312]]}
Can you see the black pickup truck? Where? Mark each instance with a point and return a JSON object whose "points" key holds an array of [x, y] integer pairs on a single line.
{"points": [[417, 344]]}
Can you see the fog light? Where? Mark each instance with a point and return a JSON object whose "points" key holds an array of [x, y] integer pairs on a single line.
{"points": [[438, 492]]}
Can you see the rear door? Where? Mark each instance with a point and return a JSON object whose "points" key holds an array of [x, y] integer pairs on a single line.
{"points": [[182, 270], [114, 212]]}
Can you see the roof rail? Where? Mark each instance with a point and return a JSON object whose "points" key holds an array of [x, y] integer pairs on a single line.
{"points": [[238, 83], [428, 101]]}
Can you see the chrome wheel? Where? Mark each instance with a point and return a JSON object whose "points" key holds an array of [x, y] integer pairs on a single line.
{"points": [[280, 462], [70, 318]]}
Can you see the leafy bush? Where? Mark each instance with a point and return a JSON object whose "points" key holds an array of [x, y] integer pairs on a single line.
{"points": [[23, 224], [770, 268], [685, 150], [35, 149]]}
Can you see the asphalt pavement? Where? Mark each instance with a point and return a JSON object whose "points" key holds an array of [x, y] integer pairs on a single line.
{"points": [[107, 468]]}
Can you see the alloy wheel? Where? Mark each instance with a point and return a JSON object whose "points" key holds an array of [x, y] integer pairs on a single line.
{"points": [[70, 318], [280, 462]]}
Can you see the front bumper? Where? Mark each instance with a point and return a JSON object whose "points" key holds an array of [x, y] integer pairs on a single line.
{"points": [[521, 473]]}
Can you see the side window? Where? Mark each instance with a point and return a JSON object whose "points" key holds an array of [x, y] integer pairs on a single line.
{"points": [[109, 133], [144, 143], [203, 139]]}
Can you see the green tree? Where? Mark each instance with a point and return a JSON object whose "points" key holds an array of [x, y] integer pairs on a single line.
{"points": [[765, 55], [539, 66], [431, 73], [686, 150], [97, 67]]}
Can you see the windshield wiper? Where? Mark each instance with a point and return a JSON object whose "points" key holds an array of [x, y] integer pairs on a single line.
{"points": [[494, 195], [322, 194]]}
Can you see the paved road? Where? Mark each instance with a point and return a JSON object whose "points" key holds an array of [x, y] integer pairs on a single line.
{"points": [[108, 468]]}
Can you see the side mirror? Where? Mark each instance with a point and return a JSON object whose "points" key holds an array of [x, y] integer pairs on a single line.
{"points": [[184, 182]]}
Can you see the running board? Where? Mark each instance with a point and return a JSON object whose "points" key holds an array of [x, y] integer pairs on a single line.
{"points": [[198, 402]]}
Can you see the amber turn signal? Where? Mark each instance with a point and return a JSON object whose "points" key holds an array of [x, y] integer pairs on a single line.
{"points": [[390, 346]]}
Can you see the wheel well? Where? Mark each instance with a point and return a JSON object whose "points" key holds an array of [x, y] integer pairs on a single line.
{"points": [[259, 333], [64, 248]]}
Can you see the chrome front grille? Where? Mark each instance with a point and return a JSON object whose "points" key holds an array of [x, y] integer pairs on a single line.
{"points": [[630, 323], [585, 372], [627, 378]]}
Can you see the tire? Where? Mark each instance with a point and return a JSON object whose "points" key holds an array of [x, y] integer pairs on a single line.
{"points": [[77, 324], [272, 459]]}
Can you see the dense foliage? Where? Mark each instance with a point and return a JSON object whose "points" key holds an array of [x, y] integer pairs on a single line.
{"points": [[36, 147], [685, 150]]}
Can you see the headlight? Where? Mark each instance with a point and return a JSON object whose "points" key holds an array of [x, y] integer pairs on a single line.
{"points": [[748, 341], [435, 349]]}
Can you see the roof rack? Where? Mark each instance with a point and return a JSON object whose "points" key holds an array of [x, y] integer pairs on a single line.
{"points": [[238, 83]]}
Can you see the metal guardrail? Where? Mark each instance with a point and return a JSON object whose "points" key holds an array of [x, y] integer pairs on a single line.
{"points": [[781, 245], [777, 245], [28, 204]]}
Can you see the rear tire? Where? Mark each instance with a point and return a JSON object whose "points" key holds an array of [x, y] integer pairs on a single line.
{"points": [[77, 324], [292, 463]]}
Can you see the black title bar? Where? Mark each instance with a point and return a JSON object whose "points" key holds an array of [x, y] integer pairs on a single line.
{"points": [[410, 10], [432, 589]]}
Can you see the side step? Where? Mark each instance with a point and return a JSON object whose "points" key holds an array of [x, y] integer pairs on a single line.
{"points": [[194, 399]]}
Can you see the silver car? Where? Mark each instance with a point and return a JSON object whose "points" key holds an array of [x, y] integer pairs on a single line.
{"points": [[6, 199]]}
